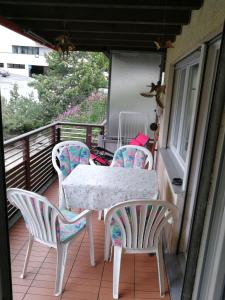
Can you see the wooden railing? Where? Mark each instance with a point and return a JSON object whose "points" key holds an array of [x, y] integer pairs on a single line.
{"points": [[28, 160]]}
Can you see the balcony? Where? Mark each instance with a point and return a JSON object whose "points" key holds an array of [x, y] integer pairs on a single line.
{"points": [[28, 165]]}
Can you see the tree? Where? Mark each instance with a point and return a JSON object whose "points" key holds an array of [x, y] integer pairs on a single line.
{"points": [[69, 81], [67, 84], [21, 114]]}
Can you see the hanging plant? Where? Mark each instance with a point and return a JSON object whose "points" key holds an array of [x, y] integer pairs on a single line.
{"points": [[64, 45]]}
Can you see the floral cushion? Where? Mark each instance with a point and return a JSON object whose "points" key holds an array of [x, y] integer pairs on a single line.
{"points": [[66, 231], [71, 156], [130, 158]]}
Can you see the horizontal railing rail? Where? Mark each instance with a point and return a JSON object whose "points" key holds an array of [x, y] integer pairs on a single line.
{"points": [[28, 161]]}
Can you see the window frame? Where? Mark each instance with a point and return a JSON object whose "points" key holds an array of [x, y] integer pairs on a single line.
{"points": [[184, 65]]}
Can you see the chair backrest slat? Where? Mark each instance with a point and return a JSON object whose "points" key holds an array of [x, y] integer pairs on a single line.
{"points": [[161, 225], [54, 220], [150, 221], [47, 223], [32, 215], [139, 223], [134, 224], [127, 226], [160, 215], [40, 215], [121, 225], [143, 216]]}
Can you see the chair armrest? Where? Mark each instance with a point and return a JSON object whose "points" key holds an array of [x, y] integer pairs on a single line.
{"points": [[83, 214]]}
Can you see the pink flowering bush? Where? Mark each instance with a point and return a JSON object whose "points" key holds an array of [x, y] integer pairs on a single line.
{"points": [[91, 110]]}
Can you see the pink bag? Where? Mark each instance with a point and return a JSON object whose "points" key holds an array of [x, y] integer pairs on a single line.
{"points": [[140, 140]]}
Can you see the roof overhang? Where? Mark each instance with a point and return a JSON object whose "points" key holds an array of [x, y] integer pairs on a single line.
{"points": [[99, 25]]}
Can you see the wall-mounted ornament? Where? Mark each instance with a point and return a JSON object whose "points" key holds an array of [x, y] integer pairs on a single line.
{"points": [[162, 44], [64, 45], [157, 90]]}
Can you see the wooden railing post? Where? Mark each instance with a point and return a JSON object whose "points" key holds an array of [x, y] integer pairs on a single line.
{"points": [[26, 158], [89, 136], [53, 135], [58, 134]]}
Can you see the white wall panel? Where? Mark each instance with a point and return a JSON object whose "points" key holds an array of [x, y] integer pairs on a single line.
{"points": [[130, 73]]}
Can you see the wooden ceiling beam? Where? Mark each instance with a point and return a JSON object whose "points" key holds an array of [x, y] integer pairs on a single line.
{"points": [[131, 4], [101, 28], [122, 16], [107, 37], [101, 43]]}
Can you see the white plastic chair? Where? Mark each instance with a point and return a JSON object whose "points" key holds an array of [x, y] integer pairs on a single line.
{"points": [[58, 148], [148, 163], [130, 123], [52, 227], [136, 226]]}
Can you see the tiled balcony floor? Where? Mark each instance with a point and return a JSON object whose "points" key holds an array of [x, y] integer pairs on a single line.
{"points": [[139, 278]]}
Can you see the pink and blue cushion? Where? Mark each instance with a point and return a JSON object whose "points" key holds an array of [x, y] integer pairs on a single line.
{"points": [[71, 156], [65, 232], [130, 158]]}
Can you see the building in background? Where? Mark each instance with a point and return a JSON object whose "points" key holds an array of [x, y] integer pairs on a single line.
{"points": [[21, 57]]}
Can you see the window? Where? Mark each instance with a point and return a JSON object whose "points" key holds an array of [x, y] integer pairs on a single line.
{"points": [[186, 81], [15, 66], [25, 50], [1, 65]]}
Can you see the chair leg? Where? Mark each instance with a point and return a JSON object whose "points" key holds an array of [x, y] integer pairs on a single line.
{"points": [[30, 244], [91, 241], [60, 269], [160, 264], [105, 212], [99, 215], [116, 271], [107, 245], [111, 253]]}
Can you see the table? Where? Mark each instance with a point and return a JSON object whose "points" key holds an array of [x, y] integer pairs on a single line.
{"points": [[99, 187]]}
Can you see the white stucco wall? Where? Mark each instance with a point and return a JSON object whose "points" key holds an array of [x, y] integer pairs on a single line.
{"points": [[130, 73], [205, 24], [9, 38]]}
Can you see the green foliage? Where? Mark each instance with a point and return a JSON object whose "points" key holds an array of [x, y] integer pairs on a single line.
{"points": [[20, 114], [91, 110], [68, 82]]}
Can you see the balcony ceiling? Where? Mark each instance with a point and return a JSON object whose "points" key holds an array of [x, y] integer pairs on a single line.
{"points": [[101, 25]]}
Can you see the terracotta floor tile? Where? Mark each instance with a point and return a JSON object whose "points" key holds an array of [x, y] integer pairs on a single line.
{"points": [[18, 296], [20, 288], [38, 297], [41, 291], [150, 295], [43, 284], [68, 295]]}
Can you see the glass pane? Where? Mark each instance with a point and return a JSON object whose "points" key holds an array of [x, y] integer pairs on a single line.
{"points": [[179, 91], [191, 94]]}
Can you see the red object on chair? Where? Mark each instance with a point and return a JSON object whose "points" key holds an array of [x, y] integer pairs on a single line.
{"points": [[134, 142], [142, 139]]}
